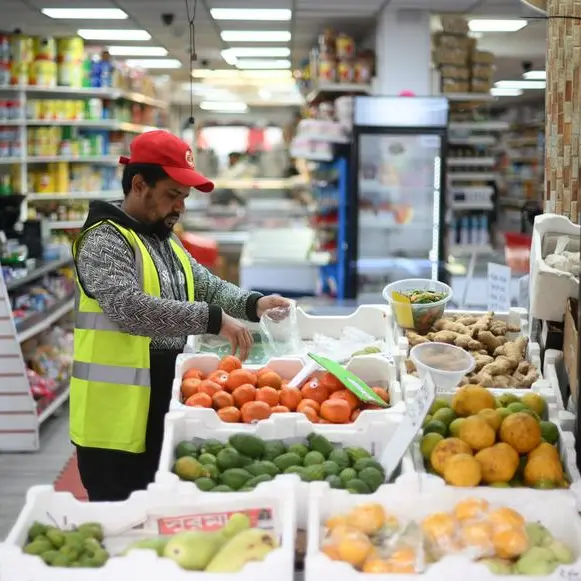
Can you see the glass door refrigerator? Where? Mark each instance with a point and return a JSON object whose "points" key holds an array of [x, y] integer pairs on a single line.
{"points": [[396, 203]]}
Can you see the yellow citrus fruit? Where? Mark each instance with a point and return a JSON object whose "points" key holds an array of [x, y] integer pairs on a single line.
{"points": [[376, 566], [471, 508], [402, 561], [504, 518], [477, 433], [493, 418], [335, 521], [478, 535], [439, 524], [463, 470], [444, 450], [354, 549], [510, 542], [332, 551], [367, 518]]}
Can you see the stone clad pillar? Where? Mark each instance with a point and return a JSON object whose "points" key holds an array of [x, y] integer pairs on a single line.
{"points": [[563, 108]]}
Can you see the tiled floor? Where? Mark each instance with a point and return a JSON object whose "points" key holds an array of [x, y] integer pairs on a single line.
{"points": [[18, 472]]}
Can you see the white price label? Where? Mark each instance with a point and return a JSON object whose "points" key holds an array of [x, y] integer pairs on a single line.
{"points": [[389, 357], [416, 411], [570, 573], [499, 277]]}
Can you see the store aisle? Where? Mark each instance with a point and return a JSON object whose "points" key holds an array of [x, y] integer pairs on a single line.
{"points": [[18, 472]]}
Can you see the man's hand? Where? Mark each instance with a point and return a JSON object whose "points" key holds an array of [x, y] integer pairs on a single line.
{"points": [[271, 302], [238, 335]]}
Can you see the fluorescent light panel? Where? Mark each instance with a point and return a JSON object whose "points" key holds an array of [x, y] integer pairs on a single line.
{"points": [[264, 64], [249, 74], [137, 51], [154, 63], [535, 75], [255, 35], [521, 84], [489, 25], [272, 14], [258, 51], [113, 34], [224, 106], [500, 92], [85, 13]]}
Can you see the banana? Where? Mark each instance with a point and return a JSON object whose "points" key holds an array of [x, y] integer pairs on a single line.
{"points": [[249, 545]]}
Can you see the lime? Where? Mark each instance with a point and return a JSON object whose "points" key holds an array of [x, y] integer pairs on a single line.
{"points": [[503, 412], [429, 442], [444, 415], [427, 420], [454, 427], [532, 413], [438, 404], [534, 402], [517, 406], [546, 485], [550, 432], [506, 399], [435, 426]]}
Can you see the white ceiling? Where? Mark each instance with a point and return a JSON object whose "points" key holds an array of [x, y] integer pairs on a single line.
{"points": [[310, 17]]}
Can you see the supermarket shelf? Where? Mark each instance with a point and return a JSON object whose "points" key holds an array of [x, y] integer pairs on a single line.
{"points": [[467, 161], [478, 126], [476, 190], [34, 326], [55, 404], [469, 97], [517, 203], [66, 224], [468, 249], [259, 184], [473, 140], [107, 124], [112, 94], [472, 176], [10, 160], [38, 273], [97, 159], [461, 205], [63, 197], [324, 89]]}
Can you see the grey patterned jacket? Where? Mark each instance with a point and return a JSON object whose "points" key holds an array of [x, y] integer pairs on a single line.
{"points": [[106, 269]]}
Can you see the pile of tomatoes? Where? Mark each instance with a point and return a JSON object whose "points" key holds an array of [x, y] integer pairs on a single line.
{"points": [[243, 395]]}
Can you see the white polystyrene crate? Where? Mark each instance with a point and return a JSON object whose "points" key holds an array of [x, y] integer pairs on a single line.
{"points": [[554, 372], [516, 316], [121, 522], [413, 498], [550, 288], [375, 320], [414, 461], [372, 433], [374, 369]]}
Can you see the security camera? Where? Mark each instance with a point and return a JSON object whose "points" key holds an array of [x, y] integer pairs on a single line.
{"points": [[167, 18]]}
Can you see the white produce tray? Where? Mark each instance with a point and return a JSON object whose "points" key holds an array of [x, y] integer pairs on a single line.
{"points": [[414, 461], [374, 369], [516, 316], [375, 320], [169, 499], [550, 288], [415, 498], [554, 372], [373, 433]]}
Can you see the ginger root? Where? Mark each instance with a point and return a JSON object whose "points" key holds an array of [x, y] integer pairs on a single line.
{"points": [[513, 349], [491, 341], [443, 337], [415, 338], [467, 343], [410, 367], [484, 322], [481, 361], [447, 325]]}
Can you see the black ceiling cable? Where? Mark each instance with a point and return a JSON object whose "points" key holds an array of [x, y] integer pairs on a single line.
{"points": [[191, 15]]}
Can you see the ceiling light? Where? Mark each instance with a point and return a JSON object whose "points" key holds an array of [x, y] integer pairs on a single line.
{"points": [[137, 51], [500, 92], [264, 64], [255, 35], [535, 75], [250, 14], [229, 57], [154, 63], [487, 25], [103, 34], [259, 51], [521, 84], [224, 106], [85, 13]]}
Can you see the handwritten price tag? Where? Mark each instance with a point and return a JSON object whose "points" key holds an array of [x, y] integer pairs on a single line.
{"points": [[416, 411], [570, 573]]}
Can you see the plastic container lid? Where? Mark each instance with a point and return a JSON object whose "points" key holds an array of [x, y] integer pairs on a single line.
{"points": [[446, 363]]}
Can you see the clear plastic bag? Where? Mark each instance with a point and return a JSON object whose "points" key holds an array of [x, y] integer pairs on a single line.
{"points": [[280, 331]]}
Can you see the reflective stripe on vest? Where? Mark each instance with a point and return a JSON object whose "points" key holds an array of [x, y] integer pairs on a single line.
{"points": [[110, 384]]}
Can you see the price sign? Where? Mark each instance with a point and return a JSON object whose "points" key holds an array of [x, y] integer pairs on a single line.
{"points": [[416, 411], [499, 277], [349, 380], [570, 573]]}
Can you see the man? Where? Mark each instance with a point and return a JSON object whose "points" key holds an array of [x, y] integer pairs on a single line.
{"points": [[139, 294]]}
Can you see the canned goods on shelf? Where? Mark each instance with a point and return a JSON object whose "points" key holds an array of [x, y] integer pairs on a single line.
{"points": [[44, 48], [43, 74]]}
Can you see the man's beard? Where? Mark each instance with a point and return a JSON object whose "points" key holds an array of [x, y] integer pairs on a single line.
{"points": [[161, 229]]}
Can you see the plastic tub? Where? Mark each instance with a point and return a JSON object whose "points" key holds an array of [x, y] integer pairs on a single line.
{"points": [[447, 364], [423, 315]]}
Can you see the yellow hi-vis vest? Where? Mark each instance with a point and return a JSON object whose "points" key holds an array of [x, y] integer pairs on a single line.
{"points": [[110, 384]]}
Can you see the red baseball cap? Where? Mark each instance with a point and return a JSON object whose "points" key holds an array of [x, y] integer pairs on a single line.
{"points": [[172, 154]]}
